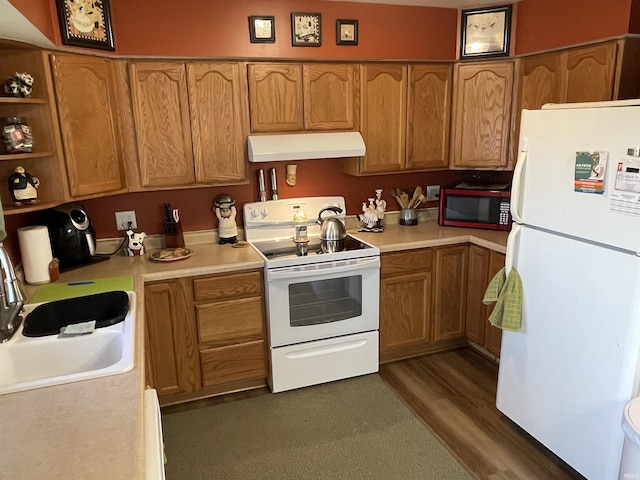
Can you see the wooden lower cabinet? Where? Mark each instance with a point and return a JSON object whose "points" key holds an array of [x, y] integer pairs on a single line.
{"points": [[170, 341], [422, 301], [405, 303], [483, 265], [205, 335], [451, 292]]}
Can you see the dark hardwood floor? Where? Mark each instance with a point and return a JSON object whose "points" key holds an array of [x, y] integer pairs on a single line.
{"points": [[454, 394]]}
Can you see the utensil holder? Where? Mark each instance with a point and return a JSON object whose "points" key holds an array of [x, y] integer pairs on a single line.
{"points": [[408, 216]]}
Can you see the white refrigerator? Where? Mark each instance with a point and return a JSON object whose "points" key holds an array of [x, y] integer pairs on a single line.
{"points": [[567, 374]]}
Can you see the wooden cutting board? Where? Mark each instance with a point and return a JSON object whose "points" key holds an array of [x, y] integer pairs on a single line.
{"points": [[60, 291]]}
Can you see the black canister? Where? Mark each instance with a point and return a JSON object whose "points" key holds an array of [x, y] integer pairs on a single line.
{"points": [[16, 135]]}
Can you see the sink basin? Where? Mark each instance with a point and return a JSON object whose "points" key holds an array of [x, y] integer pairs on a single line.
{"points": [[35, 362]]}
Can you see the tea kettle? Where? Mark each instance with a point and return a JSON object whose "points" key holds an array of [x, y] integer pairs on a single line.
{"points": [[333, 233]]}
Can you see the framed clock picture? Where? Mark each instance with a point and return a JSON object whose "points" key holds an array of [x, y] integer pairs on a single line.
{"points": [[306, 29], [85, 23], [485, 32]]}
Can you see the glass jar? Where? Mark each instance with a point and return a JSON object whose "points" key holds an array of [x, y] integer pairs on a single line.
{"points": [[16, 135]]}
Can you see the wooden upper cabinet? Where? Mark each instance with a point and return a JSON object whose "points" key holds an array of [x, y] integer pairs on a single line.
{"points": [[329, 96], [161, 112], [429, 112], [383, 117], [86, 94], [589, 73], [482, 115], [539, 80], [275, 97], [218, 112]]}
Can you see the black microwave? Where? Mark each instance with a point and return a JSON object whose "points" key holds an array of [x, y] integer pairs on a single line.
{"points": [[476, 206]]}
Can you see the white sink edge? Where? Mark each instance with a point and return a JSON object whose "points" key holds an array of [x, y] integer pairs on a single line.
{"points": [[124, 365]]}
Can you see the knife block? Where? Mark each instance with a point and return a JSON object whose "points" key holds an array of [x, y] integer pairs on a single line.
{"points": [[173, 237]]}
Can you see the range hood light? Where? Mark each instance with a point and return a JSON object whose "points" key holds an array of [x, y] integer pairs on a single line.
{"points": [[304, 146]]}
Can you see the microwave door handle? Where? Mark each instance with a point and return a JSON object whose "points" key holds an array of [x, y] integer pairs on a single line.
{"points": [[516, 187], [287, 273]]}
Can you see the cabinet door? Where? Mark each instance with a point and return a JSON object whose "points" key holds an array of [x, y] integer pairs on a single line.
{"points": [[589, 73], [428, 116], [383, 117], [482, 115], [86, 96], [218, 111], [478, 281], [406, 288], [171, 346], [329, 96], [275, 97], [451, 292], [161, 112], [493, 335]]}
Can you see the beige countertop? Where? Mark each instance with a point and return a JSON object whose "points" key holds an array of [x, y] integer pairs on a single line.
{"points": [[93, 429]]}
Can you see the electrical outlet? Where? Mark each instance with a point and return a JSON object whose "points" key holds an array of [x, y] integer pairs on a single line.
{"points": [[123, 219], [433, 192]]}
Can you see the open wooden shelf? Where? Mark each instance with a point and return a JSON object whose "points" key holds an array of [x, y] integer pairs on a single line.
{"points": [[16, 210], [22, 156], [22, 101]]}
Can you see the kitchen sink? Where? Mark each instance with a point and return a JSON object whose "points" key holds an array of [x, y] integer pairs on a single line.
{"points": [[34, 362]]}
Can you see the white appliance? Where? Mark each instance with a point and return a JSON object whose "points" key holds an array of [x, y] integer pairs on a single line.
{"points": [[153, 443], [322, 308], [566, 376]]}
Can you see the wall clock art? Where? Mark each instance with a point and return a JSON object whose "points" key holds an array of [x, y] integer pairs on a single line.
{"points": [[85, 23], [485, 32], [306, 29]]}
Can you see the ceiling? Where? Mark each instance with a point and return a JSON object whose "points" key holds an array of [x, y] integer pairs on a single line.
{"points": [[457, 4]]}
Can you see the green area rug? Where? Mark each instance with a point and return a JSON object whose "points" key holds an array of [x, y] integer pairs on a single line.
{"points": [[350, 429]]}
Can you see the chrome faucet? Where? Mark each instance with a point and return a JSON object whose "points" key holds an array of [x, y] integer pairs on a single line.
{"points": [[11, 298]]}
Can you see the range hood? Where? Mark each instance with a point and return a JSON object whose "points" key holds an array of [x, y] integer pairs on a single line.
{"points": [[303, 146]]}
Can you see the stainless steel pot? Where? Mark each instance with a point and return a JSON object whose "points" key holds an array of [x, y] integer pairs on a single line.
{"points": [[332, 232]]}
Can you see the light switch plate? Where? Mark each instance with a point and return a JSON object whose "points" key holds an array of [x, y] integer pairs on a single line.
{"points": [[433, 192]]}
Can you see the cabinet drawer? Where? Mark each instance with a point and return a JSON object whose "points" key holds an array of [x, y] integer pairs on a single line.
{"points": [[232, 320], [244, 361], [225, 287], [405, 262]]}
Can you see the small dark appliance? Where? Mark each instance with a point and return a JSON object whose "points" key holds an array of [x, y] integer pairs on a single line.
{"points": [[72, 235], [476, 206]]}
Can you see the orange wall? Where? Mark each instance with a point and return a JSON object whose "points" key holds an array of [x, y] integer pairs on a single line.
{"points": [[546, 24]]}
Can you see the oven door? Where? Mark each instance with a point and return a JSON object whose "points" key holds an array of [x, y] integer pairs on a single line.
{"points": [[322, 300]]}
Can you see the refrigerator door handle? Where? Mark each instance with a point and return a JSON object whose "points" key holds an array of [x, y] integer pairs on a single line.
{"points": [[512, 245], [516, 187]]}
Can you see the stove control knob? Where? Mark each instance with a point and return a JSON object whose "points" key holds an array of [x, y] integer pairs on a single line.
{"points": [[254, 213], [264, 212]]}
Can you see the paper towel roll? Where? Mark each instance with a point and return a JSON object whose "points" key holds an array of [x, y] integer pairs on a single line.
{"points": [[35, 248]]}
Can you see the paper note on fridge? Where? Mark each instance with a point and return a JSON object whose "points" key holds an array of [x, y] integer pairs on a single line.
{"points": [[625, 198], [590, 170]]}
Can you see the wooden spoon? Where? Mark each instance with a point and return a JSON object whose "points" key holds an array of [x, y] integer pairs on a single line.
{"points": [[416, 193], [404, 197], [394, 193]]}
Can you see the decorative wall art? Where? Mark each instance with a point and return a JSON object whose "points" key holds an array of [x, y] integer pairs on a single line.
{"points": [[485, 32], [262, 29], [346, 32], [85, 23], [306, 29]]}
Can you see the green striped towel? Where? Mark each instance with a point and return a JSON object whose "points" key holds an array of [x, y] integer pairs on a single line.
{"points": [[506, 293]]}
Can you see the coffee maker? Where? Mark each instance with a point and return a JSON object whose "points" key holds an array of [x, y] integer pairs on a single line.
{"points": [[72, 235]]}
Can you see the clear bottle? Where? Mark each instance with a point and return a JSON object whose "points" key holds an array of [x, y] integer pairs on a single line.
{"points": [[16, 135]]}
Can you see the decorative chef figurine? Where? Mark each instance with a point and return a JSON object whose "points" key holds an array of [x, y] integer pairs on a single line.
{"points": [[23, 187], [225, 209], [373, 213]]}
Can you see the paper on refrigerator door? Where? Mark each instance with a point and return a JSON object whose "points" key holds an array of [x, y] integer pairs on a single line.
{"points": [[590, 170], [625, 198]]}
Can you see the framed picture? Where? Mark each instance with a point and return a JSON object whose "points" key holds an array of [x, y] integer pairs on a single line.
{"points": [[306, 29], [262, 29], [346, 32], [85, 23], [485, 32]]}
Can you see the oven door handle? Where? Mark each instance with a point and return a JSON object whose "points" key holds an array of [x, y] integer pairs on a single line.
{"points": [[293, 272]]}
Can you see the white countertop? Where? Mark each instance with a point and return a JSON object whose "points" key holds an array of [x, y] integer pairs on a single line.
{"points": [[94, 428]]}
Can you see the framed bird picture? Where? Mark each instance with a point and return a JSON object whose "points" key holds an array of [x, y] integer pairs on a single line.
{"points": [[85, 23], [485, 32]]}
